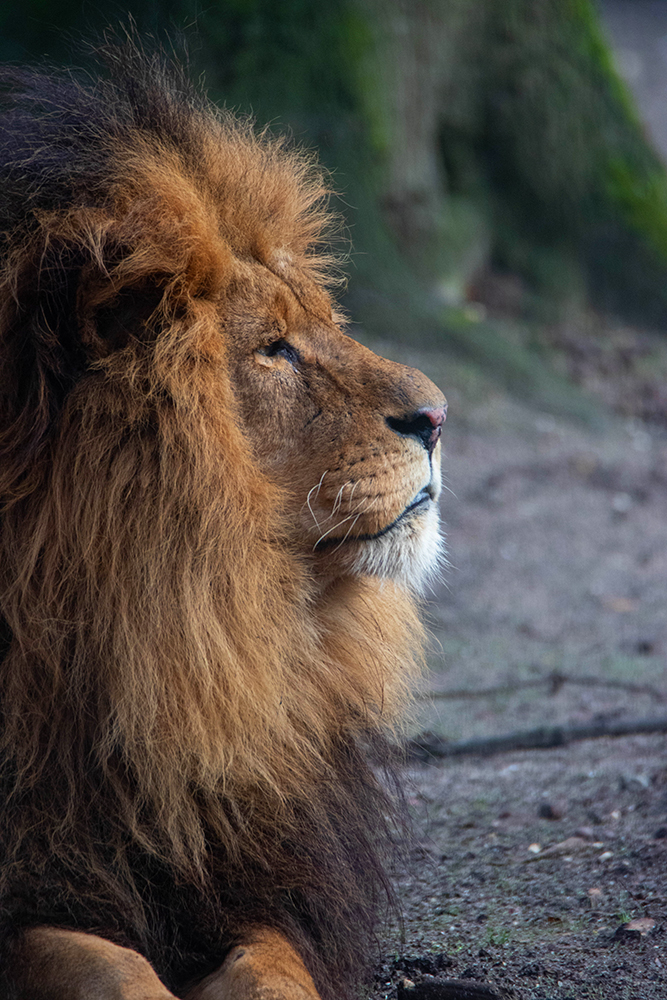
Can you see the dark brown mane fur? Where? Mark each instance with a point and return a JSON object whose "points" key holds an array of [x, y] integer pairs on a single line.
{"points": [[185, 726]]}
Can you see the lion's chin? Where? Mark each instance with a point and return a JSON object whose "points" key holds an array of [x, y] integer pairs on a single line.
{"points": [[411, 552]]}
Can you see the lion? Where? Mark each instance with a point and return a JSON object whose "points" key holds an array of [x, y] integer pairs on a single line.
{"points": [[217, 511]]}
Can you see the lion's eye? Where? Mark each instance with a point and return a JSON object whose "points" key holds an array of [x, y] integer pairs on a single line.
{"points": [[279, 349]]}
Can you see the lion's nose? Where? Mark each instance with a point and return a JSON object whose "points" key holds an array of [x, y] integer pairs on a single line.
{"points": [[425, 425]]}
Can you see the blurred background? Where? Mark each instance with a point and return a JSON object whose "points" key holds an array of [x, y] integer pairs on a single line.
{"points": [[499, 167]]}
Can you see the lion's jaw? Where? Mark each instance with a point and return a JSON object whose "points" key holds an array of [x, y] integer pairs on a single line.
{"points": [[411, 550], [396, 537], [353, 439]]}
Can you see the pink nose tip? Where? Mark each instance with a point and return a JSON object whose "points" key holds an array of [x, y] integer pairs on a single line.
{"points": [[437, 415]]}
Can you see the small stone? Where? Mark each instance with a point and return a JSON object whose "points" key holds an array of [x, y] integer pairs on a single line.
{"points": [[595, 897], [619, 605], [621, 503], [635, 929], [642, 924], [633, 782], [549, 811], [660, 833]]}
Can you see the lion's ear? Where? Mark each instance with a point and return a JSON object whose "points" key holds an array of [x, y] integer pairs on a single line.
{"points": [[55, 320], [113, 323], [41, 357]]}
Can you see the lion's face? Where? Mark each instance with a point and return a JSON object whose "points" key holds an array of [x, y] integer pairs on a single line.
{"points": [[354, 438]]}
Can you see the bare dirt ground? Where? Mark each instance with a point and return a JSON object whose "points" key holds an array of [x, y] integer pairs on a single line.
{"points": [[529, 865]]}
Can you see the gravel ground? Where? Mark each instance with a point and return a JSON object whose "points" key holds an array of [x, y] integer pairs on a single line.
{"points": [[529, 866]]}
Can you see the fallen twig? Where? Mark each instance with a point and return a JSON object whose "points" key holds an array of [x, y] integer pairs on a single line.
{"points": [[554, 680], [447, 989], [430, 745]]}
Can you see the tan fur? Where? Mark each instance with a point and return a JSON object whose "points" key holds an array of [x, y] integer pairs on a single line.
{"points": [[75, 966], [178, 629], [264, 964]]}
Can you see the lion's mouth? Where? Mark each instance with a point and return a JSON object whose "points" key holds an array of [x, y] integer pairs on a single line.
{"points": [[422, 500]]}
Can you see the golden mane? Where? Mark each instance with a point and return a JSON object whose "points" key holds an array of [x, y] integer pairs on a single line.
{"points": [[170, 680]]}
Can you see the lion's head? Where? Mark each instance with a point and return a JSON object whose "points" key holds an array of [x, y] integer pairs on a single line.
{"points": [[351, 438], [215, 506]]}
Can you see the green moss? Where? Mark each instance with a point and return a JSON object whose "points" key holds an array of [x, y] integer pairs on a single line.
{"points": [[567, 163], [642, 200]]}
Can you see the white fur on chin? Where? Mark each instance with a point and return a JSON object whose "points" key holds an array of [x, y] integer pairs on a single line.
{"points": [[412, 553]]}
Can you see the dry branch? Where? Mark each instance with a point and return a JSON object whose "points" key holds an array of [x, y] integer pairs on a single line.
{"points": [[430, 745], [554, 681], [448, 989]]}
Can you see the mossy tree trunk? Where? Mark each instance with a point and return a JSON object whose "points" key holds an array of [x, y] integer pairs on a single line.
{"points": [[463, 134], [510, 140]]}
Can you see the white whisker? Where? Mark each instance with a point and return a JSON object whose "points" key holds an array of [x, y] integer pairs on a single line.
{"points": [[319, 485], [333, 528], [337, 502], [347, 533], [339, 498], [355, 513], [315, 489]]}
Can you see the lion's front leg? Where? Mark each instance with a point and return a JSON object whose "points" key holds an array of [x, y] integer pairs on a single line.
{"points": [[56, 964], [264, 967]]}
